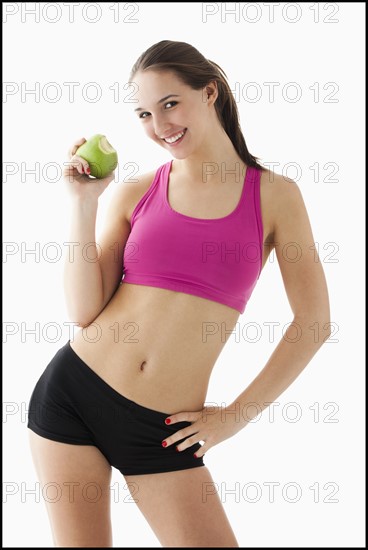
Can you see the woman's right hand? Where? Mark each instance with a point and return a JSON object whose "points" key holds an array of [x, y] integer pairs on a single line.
{"points": [[75, 175]]}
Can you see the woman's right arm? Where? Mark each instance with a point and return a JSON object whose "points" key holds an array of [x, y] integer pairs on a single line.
{"points": [[89, 284], [83, 276]]}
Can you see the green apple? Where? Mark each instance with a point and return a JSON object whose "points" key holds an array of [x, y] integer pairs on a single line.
{"points": [[100, 155]]}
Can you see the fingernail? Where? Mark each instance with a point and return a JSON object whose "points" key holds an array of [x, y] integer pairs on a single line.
{"points": [[195, 455], [167, 421], [82, 170], [177, 449], [164, 443], [88, 170]]}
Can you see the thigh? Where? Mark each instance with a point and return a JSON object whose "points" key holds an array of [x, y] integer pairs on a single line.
{"points": [[75, 484], [183, 508]]}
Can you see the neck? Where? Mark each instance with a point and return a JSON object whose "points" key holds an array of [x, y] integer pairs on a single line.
{"points": [[216, 161]]}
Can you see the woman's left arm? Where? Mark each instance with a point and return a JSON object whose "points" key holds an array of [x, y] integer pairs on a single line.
{"points": [[306, 289]]}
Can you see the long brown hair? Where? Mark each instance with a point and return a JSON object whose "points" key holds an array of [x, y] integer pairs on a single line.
{"points": [[192, 68]]}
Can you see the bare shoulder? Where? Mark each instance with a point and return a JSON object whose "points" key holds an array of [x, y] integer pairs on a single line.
{"points": [[296, 253], [129, 193], [280, 197]]}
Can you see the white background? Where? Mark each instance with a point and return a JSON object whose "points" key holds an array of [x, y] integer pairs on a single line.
{"points": [[324, 451]]}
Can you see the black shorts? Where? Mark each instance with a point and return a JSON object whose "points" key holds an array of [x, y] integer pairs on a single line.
{"points": [[72, 404]]}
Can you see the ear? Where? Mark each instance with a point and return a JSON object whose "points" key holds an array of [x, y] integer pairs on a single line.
{"points": [[210, 92]]}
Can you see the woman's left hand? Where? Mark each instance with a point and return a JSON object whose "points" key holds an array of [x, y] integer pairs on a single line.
{"points": [[211, 424]]}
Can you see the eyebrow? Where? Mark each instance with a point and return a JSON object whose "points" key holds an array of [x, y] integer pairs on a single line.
{"points": [[160, 101]]}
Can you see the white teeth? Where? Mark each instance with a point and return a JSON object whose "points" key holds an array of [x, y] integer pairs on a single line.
{"points": [[175, 138]]}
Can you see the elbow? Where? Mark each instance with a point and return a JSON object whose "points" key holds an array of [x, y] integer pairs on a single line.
{"points": [[317, 323], [84, 324], [328, 327], [83, 317], [81, 321], [325, 330]]}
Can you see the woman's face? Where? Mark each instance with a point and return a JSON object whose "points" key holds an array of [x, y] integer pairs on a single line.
{"points": [[173, 115]]}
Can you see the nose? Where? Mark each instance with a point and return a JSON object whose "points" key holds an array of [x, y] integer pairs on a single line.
{"points": [[160, 126]]}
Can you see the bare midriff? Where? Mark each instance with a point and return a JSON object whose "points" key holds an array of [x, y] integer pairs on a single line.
{"points": [[156, 347]]}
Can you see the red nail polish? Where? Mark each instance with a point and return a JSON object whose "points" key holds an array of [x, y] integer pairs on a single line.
{"points": [[82, 170], [195, 455], [177, 449], [167, 421], [164, 443], [88, 170]]}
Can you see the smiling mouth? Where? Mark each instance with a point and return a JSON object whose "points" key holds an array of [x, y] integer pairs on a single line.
{"points": [[175, 138]]}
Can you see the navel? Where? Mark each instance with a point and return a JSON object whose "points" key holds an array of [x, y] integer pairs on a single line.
{"points": [[142, 366]]}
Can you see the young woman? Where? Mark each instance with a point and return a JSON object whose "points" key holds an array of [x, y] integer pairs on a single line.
{"points": [[183, 247]]}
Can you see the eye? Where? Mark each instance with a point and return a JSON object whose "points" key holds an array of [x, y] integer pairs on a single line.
{"points": [[172, 103]]}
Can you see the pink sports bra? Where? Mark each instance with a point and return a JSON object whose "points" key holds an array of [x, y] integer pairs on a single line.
{"points": [[219, 259]]}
